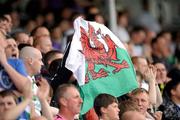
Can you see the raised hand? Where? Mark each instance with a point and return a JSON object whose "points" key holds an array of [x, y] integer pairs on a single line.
{"points": [[150, 74], [42, 94], [43, 89]]}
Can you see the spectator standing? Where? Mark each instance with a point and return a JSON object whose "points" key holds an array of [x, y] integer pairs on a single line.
{"points": [[171, 100]]}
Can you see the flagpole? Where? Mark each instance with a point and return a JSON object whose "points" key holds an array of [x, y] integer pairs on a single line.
{"points": [[112, 15]]}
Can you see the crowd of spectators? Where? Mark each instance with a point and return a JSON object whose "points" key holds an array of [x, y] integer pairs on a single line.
{"points": [[34, 84]]}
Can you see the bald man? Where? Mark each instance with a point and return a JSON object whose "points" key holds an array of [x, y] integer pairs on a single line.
{"points": [[32, 59]]}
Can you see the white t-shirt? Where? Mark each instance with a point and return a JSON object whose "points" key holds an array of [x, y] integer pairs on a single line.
{"points": [[36, 101]]}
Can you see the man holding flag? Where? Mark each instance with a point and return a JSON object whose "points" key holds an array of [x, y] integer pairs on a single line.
{"points": [[100, 62]]}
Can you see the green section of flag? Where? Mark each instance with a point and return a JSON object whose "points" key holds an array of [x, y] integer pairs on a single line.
{"points": [[115, 84]]}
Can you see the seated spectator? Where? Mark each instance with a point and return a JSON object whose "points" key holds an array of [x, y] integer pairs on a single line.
{"points": [[41, 39], [6, 24], [171, 100], [171, 46], [160, 51], [10, 22], [50, 56], [22, 37], [9, 109], [127, 105], [149, 76], [47, 59], [43, 43], [161, 77], [106, 107], [141, 97], [137, 36], [140, 64], [122, 21], [69, 101], [129, 111], [40, 31]]}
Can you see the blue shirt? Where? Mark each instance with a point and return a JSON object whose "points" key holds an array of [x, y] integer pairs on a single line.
{"points": [[5, 81]]}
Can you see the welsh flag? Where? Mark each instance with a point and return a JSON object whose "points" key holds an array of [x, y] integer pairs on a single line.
{"points": [[99, 62]]}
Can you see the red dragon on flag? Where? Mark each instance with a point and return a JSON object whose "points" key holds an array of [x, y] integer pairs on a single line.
{"points": [[96, 53]]}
